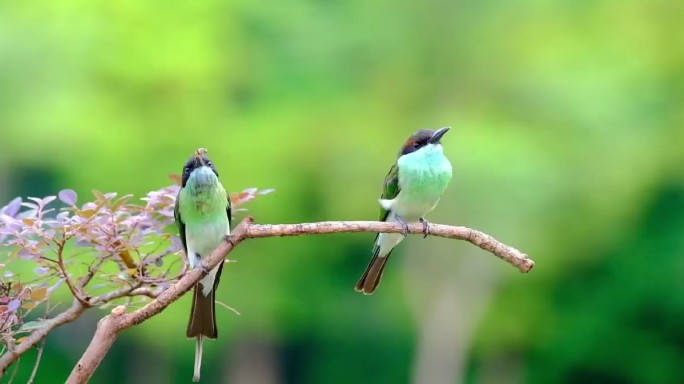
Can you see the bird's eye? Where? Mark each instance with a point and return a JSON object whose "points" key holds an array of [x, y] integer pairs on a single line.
{"points": [[209, 164], [416, 145], [186, 170]]}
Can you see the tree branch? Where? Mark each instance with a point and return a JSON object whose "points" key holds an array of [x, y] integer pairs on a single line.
{"points": [[481, 239], [74, 312], [110, 326], [36, 336], [67, 279]]}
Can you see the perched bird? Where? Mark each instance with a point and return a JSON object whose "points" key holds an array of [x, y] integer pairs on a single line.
{"points": [[203, 216], [412, 188]]}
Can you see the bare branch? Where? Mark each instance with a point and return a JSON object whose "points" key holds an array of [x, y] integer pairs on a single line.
{"points": [[481, 239], [14, 351], [102, 341], [124, 292], [67, 279], [110, 326], [92, 268]]}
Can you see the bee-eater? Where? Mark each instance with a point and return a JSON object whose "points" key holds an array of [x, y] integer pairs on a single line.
{"points": [[203, 216], [412, 189]]}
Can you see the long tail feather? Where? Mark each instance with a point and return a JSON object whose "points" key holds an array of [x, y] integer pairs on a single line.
{"points": [[203, 315], [198, 358], [202, 323], [371, 277]]}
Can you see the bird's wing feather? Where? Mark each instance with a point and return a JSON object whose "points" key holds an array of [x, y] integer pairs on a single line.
{"points": [[229, 211], [230, 220], [391, 189], [179, 222]]}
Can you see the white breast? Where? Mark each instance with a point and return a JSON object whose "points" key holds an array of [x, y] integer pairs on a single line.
{"points": [[203, 238]]}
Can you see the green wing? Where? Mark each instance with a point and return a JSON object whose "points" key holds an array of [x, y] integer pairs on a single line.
{"points": [[230, 222], [390, 190], [180, 223], [229, 212]]}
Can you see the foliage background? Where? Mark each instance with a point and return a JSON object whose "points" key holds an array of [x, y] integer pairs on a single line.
{"points": [[567, 142]]}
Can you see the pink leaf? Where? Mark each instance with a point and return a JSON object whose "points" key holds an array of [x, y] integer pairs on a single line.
{"points": [[47, 200], [12, 208], [68, 197], [13, 305]]}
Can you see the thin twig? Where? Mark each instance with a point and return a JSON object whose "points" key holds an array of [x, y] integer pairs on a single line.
{"points": [[92, 268], [110, 326], [228, 307], [67, 280], [14, 373], [9, 341], [130, 291], [35, 366]]}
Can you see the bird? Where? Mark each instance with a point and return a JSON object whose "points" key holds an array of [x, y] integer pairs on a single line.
{"points": [[203, 216], [412, 188]]}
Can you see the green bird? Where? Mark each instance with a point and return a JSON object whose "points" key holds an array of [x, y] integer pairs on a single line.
{"points": [[203, 216], [412, 189]]}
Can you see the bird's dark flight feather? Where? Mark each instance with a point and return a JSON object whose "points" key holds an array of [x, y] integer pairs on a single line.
{"points": [[370, 279]]}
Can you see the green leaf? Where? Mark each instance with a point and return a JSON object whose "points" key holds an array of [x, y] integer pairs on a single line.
{"points": [[99, 196], [32, 325], [123, 200], [87, 213], [39, 294]]}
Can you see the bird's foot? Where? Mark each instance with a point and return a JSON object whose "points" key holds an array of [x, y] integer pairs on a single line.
{"points": [[201, 267], [197, 264], [229, 239], [426, 227], [405, 229]]}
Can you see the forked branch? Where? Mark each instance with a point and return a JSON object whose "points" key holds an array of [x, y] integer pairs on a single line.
{"points": [[118, 321]]}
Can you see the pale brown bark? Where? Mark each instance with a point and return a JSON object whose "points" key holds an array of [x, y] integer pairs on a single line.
{"points": [[111, 325]]}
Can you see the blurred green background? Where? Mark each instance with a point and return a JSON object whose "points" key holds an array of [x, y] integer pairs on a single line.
{"points": [[566, 143]]}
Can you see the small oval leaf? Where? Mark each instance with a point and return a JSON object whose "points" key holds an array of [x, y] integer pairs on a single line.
{"points": [[32, 325], [39, 294], [86, 213], [68, 196], [12, 208], [99, 195], [13, 305], [47, 200], [57, 285]]}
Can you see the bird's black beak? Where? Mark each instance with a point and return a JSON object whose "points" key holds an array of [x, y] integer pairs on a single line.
{"points": [[437, 136]]}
